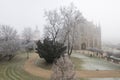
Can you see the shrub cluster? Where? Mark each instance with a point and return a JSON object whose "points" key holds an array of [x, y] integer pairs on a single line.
{"points": [[50, 50]]}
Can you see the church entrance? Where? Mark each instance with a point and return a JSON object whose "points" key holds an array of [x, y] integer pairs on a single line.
{"points": [[83, 46]]}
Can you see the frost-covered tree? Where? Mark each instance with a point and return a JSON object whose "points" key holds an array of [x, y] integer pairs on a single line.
{"points": [[61, 25], [63, 69], [9, 42], [27, 34], [28, 42], [71, 17], [53, 25]]}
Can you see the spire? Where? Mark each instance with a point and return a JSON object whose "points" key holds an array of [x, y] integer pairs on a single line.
{"points": [[36, 30], [36, 27], [99, 27], [36, 34], [99, 24]]}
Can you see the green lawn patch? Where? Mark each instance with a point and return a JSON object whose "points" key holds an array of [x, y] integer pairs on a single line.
{"points": [[13, 70], [77, 62]]}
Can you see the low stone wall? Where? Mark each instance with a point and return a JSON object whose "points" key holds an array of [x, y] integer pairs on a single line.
{"points": [[95, 54]]}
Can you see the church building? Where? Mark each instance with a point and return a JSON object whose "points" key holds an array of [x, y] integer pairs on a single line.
{"points": [[88, 36]]}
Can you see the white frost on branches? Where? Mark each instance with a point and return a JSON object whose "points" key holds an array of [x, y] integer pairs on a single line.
{"points": [[9, 42], [63, 69]]}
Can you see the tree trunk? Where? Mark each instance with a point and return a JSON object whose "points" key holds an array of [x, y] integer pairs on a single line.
{"points": [[27, 55]]}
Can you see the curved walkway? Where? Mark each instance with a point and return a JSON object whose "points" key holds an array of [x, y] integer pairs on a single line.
{"points": [[31, 68]]}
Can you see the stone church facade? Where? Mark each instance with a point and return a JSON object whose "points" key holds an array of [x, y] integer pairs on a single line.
{"points": [[88, 36]]}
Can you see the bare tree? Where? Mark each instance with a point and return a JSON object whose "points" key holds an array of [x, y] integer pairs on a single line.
{"points": [[27, 34], [66, 33], [71, 18], [62, 25], [9, 41], [28, 40], [7, 33], [53, 25], [63, 69]]}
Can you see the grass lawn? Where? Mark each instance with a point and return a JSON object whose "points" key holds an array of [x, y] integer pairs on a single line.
{"points": [[42, 63], [13, 70], [77, 62]]}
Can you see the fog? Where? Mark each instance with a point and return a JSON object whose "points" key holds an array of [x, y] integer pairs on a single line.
{"points": [[30, 13]]}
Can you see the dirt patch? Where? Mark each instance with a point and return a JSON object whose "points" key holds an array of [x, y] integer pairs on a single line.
{"points": [[31, 68], [98, 74]]}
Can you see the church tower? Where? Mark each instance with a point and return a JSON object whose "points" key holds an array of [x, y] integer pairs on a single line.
{"points": [[99, 33], [36, 34]]}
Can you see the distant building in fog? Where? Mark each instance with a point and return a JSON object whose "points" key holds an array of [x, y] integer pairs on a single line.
{"points": [[36, 34], [88, 36]]}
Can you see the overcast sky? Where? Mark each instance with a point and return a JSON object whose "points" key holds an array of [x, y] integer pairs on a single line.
{"points": [[29, 13]]}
